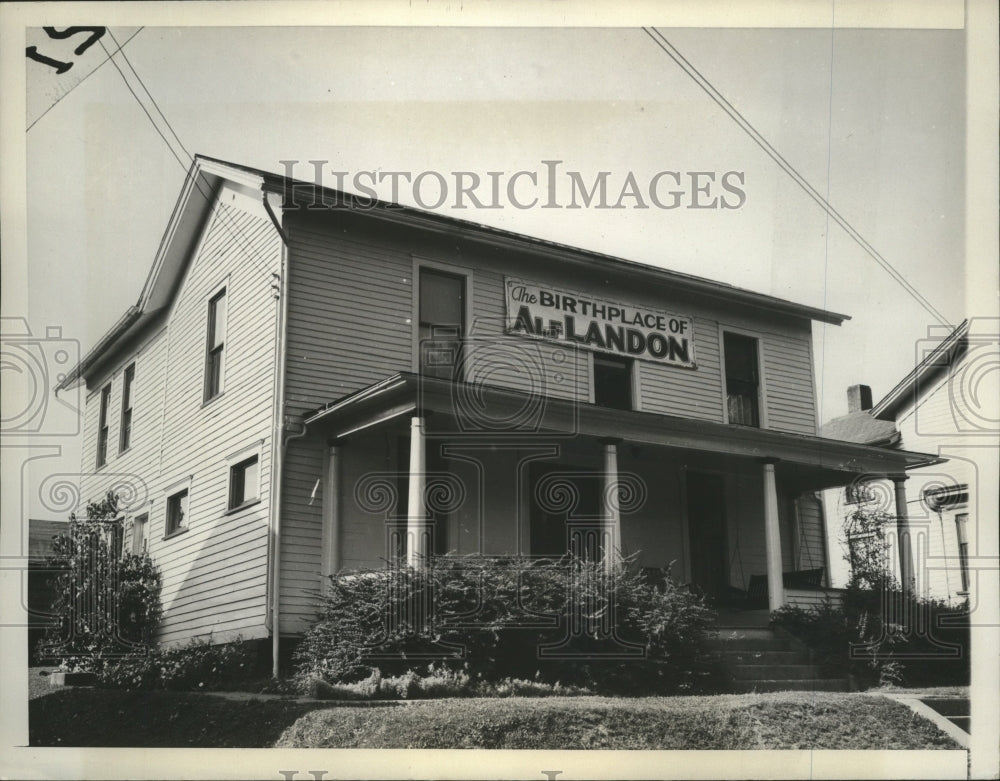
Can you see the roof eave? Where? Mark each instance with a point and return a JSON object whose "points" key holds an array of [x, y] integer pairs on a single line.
{"points": [[905, 388]]}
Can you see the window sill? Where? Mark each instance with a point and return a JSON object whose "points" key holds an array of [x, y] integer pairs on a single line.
{"points": [[241, 508], [215, 398], [175, 533]]}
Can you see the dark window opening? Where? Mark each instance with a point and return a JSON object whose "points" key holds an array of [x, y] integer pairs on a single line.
{"points": [[125, 438], [177, 505], [613, 382], [102, 433], [243, 483], [441, 323], [742, 379], [215, 345], [961, 528]]}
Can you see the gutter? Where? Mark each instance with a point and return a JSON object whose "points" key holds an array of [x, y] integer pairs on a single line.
{"points": [[116, 331]]}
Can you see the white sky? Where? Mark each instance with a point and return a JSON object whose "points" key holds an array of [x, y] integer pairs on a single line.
{"points": [[873, 119]]}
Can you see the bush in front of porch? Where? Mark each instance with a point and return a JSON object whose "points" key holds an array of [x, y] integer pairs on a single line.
{"points": [[508, 621], [881, 636]]}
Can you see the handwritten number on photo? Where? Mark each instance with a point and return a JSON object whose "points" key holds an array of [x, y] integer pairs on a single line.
{"points": [[96, 33]]}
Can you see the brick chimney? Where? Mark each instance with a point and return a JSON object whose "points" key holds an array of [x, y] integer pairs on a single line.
{"points": [[859, 398]]}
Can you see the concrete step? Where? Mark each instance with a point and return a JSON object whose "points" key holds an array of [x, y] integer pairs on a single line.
{"points": [[765, 672], [764, 642], [793, 684], [731, 657], [948, 706]]}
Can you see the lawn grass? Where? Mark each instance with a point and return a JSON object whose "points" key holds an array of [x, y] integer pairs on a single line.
{"points": [[786, 720]]}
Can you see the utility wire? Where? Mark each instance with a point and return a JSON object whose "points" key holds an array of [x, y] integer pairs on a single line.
{"points": [[225, 219], [660, 40], [120, 47]]}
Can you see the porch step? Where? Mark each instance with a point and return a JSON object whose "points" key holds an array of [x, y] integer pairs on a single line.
{"points": [[750, 639], [769, 672], [792, 684], [762, 657]]}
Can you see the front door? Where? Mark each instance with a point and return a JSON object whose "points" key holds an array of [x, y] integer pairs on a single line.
{"points": [[706, 506], [561, 493]]}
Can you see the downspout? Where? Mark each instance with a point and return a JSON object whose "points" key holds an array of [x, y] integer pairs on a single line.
{"points": [[277, 438]]}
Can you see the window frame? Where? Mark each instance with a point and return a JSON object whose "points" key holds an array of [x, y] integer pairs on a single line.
{"points": [[125, 424], [215, 351], [182, 486], [103, 425], [630, 366], [420, 263], [139, 540], [235, 460], [758, 337]]}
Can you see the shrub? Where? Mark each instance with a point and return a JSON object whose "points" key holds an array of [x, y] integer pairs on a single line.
{"points": [[106, 604], [197, 665], [884, 637], [499, 619]]}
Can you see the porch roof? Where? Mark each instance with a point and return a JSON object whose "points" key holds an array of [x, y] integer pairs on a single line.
{"points": [[491, 412]]}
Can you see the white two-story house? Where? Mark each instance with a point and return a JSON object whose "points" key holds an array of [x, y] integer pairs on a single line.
{"points": [[312, 383]]}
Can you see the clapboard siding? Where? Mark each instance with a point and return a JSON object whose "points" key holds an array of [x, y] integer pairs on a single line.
{"points": [[694, 393], [788, 378], [214, 575], [348, 312]]}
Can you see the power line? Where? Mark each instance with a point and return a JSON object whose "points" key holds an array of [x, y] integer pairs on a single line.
{"points": [[224, 218], [103, 62], [660, 40]]}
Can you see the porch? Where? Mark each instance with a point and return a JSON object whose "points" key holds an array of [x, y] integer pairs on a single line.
{"points": [[417, 465]]}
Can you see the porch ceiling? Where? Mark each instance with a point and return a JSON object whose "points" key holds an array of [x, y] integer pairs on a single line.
{"points": [[495, 412]]}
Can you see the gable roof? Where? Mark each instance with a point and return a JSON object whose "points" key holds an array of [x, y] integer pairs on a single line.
{"points": [[937, 361], [206, 174]]}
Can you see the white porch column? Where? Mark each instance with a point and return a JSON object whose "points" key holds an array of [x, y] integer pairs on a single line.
{"points": [[772, 540], [416, 512], [331, 513], [610, 505], [906, 578]]}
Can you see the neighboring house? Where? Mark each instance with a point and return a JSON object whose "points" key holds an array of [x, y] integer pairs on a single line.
{"points": [[312, 382], [923, 412], [41, 588]]}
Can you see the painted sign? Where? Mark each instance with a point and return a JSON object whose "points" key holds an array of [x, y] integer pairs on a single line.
{"points": [[547, 312]]}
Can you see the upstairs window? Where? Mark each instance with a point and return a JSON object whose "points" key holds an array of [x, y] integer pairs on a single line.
{"points": [[102, 431], [742, 379], [243, 483], [612, 381], [177, 506], [442, 323], [125, 438], [215, 345]]}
